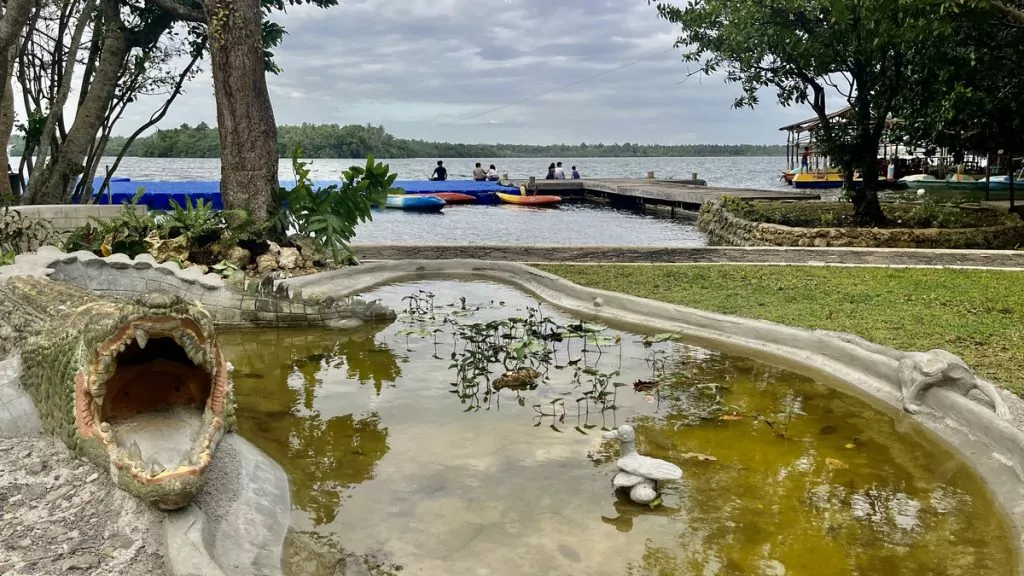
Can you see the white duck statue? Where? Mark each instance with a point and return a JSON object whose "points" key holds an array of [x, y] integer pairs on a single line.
{"points": [[640, 474]]}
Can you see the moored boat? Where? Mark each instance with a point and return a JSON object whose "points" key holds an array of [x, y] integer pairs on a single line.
{"points": [[449, 197], [415, 202], [817, 180], [524, 200]]}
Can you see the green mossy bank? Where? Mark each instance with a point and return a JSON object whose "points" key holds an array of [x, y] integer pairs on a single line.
{"points": [[976, 314]]}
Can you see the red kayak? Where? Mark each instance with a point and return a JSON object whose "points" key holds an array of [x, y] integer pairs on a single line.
{"points": [[453, 197]]}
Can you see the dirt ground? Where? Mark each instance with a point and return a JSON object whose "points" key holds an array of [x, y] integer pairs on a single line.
{"points": [[60, 515]]}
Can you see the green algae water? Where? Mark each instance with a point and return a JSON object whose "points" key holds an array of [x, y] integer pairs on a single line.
{"points": [[402, 462]]}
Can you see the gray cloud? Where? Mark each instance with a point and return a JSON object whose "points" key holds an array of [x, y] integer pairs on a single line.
{"points": [[521, 71]]}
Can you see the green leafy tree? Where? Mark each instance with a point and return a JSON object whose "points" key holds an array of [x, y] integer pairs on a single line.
{"points": [[972, 98], [807, 50]]}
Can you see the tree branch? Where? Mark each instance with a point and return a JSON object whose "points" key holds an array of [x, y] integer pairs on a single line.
{"points": [[1009, 11], [179, 11]]}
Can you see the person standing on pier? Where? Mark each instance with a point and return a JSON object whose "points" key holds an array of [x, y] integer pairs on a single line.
{"points": [[440, 173], [559, 172], [805, 161]]}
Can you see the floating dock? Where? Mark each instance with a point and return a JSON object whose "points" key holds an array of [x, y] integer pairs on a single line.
{"points": [[678, 198]]}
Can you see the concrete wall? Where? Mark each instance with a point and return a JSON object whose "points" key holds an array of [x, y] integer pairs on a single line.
{"points": [[725, 228], [66, 217]]}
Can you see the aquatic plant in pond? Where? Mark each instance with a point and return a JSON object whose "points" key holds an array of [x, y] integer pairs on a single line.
{"points": [[408, 473]]}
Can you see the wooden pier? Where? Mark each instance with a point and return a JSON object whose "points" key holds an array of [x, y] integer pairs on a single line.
{"points": [[679, 198]]}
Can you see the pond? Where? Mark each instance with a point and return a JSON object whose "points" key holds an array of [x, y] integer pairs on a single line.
{"points": [[402, 460]]}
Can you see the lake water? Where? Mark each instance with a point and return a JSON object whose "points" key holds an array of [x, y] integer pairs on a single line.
{"points": [[400, 464], [567, 225], [760, 173]]}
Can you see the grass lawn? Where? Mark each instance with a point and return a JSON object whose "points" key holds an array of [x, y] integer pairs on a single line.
{"points": [[976, 314]]}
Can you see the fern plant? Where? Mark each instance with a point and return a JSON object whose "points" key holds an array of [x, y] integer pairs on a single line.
{"points": [[330, 214]]}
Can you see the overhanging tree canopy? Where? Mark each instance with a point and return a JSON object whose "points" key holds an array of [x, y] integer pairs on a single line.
{"points": [[860, 51]]}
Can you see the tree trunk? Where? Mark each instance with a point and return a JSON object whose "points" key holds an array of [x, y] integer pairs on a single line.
{"points": [[6, 127], [866, 209], [56, 180], [245, 117]]}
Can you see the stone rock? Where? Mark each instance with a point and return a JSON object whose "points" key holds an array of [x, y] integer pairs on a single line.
{"points": [[266, 263], [164, 250], [238, 256], [202, 268], [289, 259], [312, 252], [34, 467], [274, 248], [33, 492], [79, 563]]}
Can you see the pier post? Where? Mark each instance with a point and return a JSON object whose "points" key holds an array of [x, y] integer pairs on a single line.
{"points": [[650, 174], [693, 176]]}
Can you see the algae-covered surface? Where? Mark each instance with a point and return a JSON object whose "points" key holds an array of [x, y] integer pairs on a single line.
{"points": [[403, 459]]}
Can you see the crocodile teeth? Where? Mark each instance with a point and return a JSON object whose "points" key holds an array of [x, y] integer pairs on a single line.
{"points": [[134, 451], [155, 467], [106, 363], [142, 337]]}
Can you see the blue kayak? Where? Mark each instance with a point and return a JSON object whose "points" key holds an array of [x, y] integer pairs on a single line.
{"points": [[415, 202]]}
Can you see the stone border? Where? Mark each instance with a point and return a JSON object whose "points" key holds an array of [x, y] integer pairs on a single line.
{"points": [[724, 227], [993, 447], [760, 255]]}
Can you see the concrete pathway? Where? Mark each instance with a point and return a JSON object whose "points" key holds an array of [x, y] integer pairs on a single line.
{"points": [[894, 257]]}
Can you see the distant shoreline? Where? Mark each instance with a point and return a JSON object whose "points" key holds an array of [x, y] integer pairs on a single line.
{"points": [[331, 141]]}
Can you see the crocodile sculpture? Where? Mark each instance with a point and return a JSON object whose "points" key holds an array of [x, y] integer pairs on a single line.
{"points": [[127, 372]]}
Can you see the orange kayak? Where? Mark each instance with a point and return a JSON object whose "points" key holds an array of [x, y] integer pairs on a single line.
{"points": [[540, 200]]}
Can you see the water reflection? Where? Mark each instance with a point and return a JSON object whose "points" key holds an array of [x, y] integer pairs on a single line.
{"points": [[782, 475], [277, 379]]}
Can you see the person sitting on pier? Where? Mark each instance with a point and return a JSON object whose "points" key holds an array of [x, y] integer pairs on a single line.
{"points": [[440, 173], [575, 173], [551, 172], [559, 172], [479, 174], [492, 174]]}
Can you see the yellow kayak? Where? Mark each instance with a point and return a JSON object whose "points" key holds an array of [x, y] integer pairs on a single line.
{"points": [[528, 200]]}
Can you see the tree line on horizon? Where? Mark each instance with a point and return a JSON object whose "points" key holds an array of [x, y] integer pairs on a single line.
{"points": [[358, 141]]}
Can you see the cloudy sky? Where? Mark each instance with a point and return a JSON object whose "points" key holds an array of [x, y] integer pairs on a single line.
{"points": [[515, 71]]}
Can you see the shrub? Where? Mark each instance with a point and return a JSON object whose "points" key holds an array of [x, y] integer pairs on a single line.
{"points": [[122, 234], [807, 214], [19, 234], [328, 215]]}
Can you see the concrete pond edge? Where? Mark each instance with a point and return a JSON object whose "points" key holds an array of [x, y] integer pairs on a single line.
{"points": [[966, 425]]}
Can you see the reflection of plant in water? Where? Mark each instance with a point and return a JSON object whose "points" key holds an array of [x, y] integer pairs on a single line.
{"points": [[277, 378], [779, 424]]}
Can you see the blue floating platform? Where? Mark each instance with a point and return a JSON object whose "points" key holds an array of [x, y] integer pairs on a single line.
{"points": [[159, 193]]}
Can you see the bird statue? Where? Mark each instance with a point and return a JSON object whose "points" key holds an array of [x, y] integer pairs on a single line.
{"points": [[640, 474]]}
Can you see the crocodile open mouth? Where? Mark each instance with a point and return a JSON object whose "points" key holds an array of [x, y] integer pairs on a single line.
{"points": [[154, 397]]}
